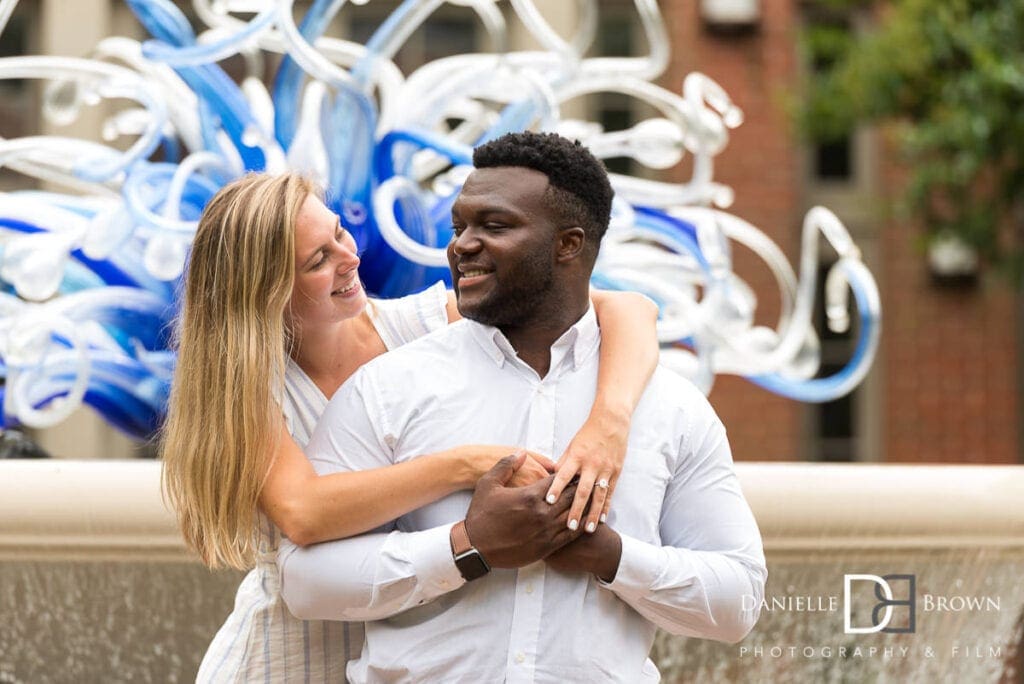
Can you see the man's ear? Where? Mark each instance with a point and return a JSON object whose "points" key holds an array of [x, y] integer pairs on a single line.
{"points": [[571, 243]]}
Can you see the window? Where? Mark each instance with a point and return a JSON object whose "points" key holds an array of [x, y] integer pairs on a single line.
{"points": [[448, 31], [832, 159], [835, 424], [827, 34], [17, 95], [614, 110]]}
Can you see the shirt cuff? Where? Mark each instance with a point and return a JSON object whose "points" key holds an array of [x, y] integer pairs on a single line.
{"points": [[640, 567], [432, 560]]}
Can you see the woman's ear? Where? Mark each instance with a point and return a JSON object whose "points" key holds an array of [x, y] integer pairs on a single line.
{"points": [[571, 243]]}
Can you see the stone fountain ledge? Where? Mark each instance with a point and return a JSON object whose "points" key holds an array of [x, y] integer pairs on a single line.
{"points": [[112, 510], [96, 584]]}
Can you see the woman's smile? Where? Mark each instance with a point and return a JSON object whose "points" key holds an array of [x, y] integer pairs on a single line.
{"points": [[351, 287]]}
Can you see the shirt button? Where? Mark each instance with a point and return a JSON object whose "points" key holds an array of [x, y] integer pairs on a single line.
{"points": [[520, 657], [529, 588], [444, 583]]}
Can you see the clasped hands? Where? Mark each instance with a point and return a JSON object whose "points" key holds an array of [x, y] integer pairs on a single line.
{"points": [[514, 526]]}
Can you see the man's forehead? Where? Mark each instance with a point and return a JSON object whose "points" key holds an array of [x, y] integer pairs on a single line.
{"points": [[511, 183]]}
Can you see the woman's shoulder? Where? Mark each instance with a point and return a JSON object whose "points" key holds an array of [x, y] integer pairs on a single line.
{"points": [[430, 296], [401, 320]]}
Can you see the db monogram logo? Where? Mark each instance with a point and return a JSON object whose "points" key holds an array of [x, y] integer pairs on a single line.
{"points": [[881, 611]]}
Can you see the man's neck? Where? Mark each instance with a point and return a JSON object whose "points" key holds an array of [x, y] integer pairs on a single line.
{"points": [[532, 340]]}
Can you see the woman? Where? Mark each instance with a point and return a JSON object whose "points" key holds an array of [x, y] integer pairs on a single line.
{"points": [[274, 319]]}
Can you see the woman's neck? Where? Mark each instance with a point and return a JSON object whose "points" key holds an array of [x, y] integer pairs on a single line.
{"points": [[333, 353]]}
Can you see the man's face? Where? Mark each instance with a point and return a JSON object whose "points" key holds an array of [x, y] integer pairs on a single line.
{"points": [[503, 253]]}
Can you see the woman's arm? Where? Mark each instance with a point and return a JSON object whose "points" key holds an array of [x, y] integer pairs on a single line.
{"points": [[452, 308], [310, 508], [629, 355]]}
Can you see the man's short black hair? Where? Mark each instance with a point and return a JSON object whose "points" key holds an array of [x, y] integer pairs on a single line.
{"points": [[578, 187]]}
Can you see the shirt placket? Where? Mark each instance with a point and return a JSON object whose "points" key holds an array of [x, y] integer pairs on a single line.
{"points": [[524, 638]]}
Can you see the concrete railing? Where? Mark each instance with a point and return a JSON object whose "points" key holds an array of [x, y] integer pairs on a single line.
{"points": [[96, 585], [113, 509], [850, 506]]}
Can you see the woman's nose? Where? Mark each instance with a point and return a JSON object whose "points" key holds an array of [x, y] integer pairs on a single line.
{"points": [[348, 260]]}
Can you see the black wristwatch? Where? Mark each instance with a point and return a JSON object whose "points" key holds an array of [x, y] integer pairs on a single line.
{"points": [[467, 559]]}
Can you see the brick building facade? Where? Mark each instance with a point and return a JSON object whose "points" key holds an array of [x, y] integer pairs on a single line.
{"points": [[946, 384]]}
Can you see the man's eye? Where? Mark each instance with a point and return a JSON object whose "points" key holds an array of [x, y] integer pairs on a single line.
{"points": [[494, 226], [458, 230]]}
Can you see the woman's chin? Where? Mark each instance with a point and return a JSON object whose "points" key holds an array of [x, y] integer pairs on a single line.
{"points": [[352, 303]]}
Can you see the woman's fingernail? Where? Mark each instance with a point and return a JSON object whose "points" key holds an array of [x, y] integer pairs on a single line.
{"points": [[550, 498], [604, 517], [573, 524], [591, 526]]}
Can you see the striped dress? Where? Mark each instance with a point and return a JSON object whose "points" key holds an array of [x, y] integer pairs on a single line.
{"points": [[261, 641]]}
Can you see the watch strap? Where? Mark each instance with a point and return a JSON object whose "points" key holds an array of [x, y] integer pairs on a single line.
{"points": [[460, 539]]}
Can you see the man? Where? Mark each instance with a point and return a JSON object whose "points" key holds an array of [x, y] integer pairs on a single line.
{"points": [[510, 590]]}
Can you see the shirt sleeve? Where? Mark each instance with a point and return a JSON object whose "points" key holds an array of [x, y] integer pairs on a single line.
{"points": [[375, 575], [707, 578]]}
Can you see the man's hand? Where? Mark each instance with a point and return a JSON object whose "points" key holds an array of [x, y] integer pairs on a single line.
{"points": [[598, 553], [514, 526]]}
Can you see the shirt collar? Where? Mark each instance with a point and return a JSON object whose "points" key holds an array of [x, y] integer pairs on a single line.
{"points": [[576, 343]]}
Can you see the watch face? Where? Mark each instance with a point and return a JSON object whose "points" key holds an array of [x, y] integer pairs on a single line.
{"points": [[472, 565]]}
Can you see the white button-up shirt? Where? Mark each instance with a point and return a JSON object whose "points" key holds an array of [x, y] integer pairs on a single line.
{"points": [[692, 561]]}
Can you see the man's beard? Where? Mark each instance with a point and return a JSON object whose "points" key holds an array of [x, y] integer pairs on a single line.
{"points": [[514, 305]]}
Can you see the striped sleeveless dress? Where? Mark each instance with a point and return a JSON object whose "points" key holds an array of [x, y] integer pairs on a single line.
{"points": [[261, 641]]}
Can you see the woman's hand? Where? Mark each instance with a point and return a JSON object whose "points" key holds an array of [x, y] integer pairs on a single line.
{"points": [[480, 458], [536, 467], [596, 455]]}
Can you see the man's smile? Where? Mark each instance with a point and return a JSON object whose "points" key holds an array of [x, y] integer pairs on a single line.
{"points": [[469, 277]]}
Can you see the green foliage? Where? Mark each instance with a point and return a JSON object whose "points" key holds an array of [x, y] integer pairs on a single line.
{"points": [[951, 72]]}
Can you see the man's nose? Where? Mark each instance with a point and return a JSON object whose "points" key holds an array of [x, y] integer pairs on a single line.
{"points": [[465, 242]]}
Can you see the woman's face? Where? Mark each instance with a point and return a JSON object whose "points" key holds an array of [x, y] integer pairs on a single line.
{"points": [[327, 287]]}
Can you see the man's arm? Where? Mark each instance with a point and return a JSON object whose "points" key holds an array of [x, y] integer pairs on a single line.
{"points": [[707, 577], [369, 577], [378, 575], [375, 575]]}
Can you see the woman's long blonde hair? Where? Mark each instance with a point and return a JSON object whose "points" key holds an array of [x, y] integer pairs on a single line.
{"points": [[223, 418]]}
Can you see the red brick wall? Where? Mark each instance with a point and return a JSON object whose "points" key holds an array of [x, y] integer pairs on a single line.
{"points": [[949, 356]]}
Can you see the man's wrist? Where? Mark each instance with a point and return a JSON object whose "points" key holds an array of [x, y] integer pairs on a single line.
{"points": [[607, 554], [468, 559]]}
